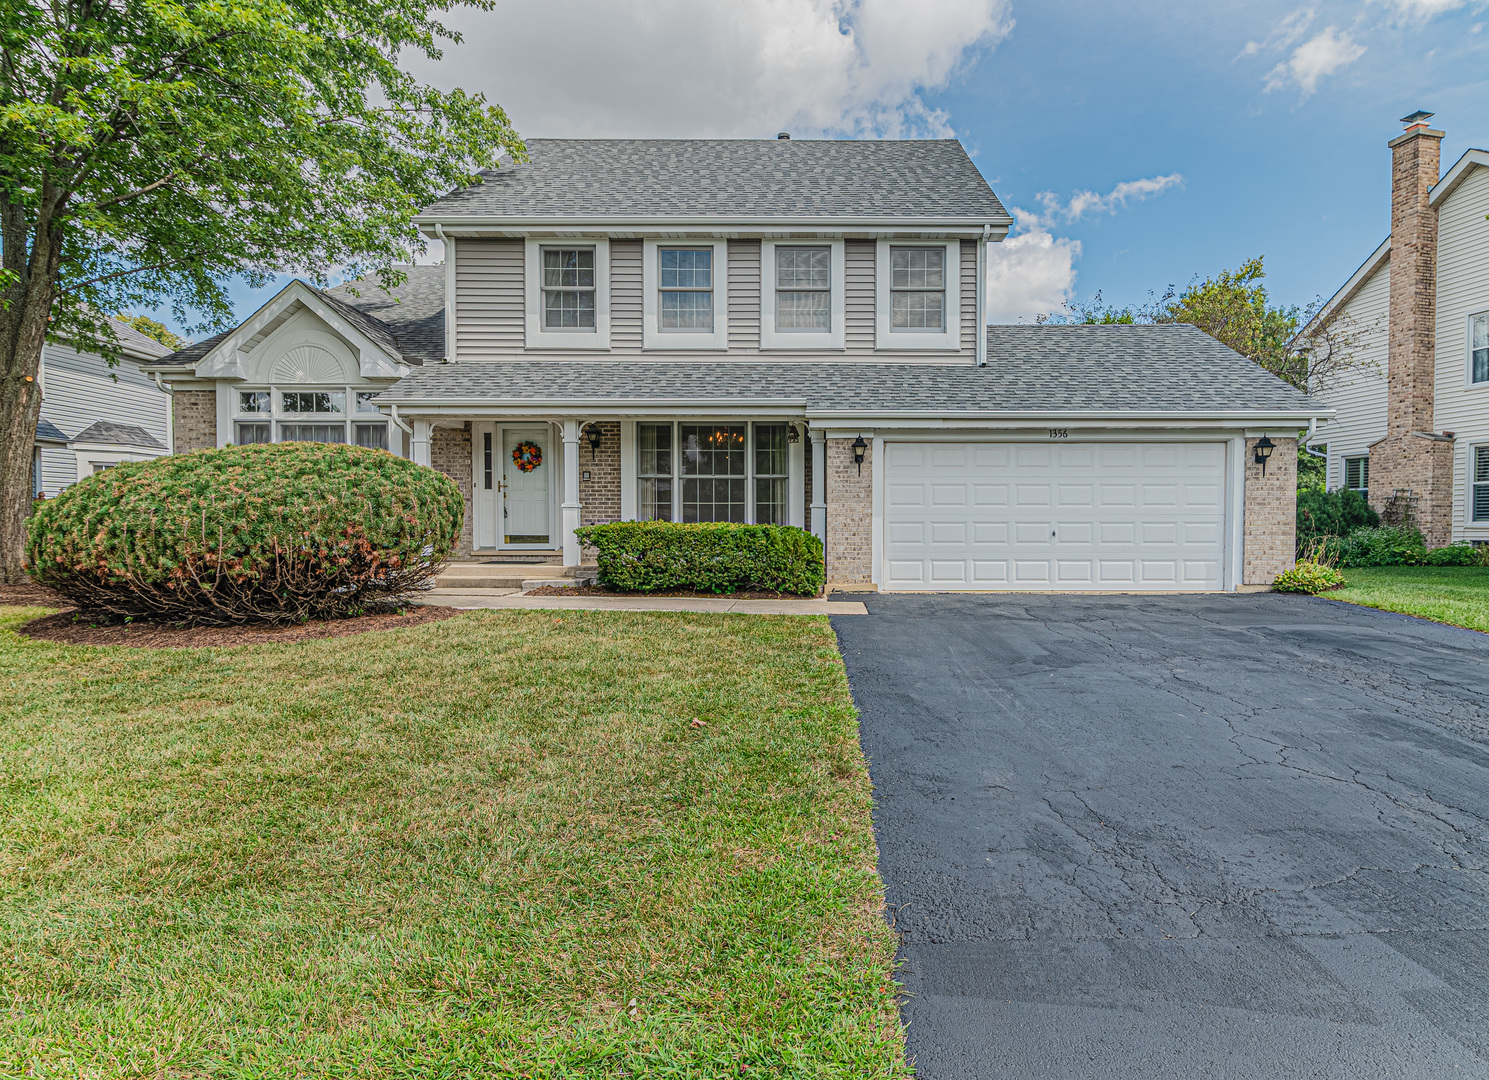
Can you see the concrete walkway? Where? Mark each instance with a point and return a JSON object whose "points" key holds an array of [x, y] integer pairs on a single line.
{"points": [[503, 598]]}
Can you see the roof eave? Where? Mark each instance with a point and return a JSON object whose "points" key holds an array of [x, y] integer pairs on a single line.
{"points": [[632, 222]]}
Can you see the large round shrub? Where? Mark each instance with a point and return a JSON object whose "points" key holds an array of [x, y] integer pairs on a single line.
{"points": [[280, 532]]}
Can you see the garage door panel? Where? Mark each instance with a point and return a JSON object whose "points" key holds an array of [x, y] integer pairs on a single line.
{"points": [[1073, 515]]}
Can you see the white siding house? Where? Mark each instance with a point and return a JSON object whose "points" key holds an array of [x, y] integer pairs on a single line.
{"points": [[1359, 395]]}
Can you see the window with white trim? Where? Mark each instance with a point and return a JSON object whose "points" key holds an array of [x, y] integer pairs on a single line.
{"points": [[1357, 473], [318, 415], [917, 289], [685, 289], [770, 474], [1478, 348], [654, 472], [1480, 507], [569, 289], [722, 471], [803, 289]]}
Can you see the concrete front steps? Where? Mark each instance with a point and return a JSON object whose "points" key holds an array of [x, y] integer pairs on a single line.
{"points": [[504, 574]]}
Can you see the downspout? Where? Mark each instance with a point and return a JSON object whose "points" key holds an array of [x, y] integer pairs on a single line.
{"points": [[449, 246], [1310, 436], [170, 413], [401, 426], [981, 347]]}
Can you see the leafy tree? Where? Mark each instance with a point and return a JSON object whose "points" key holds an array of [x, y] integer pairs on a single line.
{"points": [[152, 149], [156, 331]]}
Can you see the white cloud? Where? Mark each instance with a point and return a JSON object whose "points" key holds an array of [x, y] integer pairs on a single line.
{"points": [[1288, 31], [1030, 274], [1323, 54], [1089, 202], [745, 68], [1423, 10]]}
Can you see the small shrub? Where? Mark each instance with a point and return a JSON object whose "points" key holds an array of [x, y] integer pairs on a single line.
{"points": [[280, 532], [1308, 577], [1453, 555], [1384, 545], [1331, 513], [647, 556]]}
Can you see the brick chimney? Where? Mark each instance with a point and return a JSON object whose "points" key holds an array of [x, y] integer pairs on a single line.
{"points": [[1411, 468]]}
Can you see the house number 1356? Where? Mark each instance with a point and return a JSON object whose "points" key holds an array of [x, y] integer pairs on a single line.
{"points": [[1059, 433]]}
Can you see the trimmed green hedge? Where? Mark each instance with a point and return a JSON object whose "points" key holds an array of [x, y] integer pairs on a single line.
{"points": [[648, 556], [280, 532]]}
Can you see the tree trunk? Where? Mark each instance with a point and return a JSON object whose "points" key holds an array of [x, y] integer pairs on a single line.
{"points": [[27, 305]]}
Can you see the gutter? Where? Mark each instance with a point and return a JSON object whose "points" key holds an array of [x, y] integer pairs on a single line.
{"points": [[170, 413]]}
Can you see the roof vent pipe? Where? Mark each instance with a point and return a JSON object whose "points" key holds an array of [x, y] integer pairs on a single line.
{"points": [[784, 135]]}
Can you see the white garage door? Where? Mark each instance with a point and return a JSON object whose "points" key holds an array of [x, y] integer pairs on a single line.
{"points": [[1119, 516]]}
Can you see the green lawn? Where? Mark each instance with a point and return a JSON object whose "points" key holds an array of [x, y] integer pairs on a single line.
{"points": [[1458, 595], [489, 846]]}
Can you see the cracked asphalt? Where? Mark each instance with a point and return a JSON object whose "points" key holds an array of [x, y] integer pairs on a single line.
{"points": [[1211, 836]]}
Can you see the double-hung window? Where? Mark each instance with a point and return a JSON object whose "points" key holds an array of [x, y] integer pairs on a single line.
{"points": [[654, 472], [1481, 483], [917, 289], [1478, 348], [569, 289], [254, 403], [704, 472], [803, 290], [1357, 474], [713, 471], [368, 432], [685, 286], [770, 474]]}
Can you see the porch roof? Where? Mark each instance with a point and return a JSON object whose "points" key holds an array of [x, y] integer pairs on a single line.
{"points": [[1043, 370]]}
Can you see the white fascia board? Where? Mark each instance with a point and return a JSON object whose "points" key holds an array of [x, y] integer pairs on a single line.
{"points": [[942, 417], [479, 224], [1357, 281], [590, 411], [1471, 160]]}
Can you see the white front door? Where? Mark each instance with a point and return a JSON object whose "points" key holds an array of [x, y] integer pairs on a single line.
{"points": [[1072, 516], [528, 466]]}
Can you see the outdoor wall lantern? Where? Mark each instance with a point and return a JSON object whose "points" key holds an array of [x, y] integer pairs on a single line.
{"points": [[1263, 451], [593, 434], [859, 446], [792, 435]]}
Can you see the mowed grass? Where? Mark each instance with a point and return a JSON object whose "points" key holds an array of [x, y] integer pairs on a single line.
{"points": [[489, 846], [1457, 595]]}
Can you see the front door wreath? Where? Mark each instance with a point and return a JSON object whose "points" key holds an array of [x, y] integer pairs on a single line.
{"points": [[527, 456]]}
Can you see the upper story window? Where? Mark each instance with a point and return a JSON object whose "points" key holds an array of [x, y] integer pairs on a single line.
{"points": [[569, 289], [1478, 347], [685, 281], [803, 289], [918, 288]]}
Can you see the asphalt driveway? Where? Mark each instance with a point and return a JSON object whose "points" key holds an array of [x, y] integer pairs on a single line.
{"points": [[1209, 836]]}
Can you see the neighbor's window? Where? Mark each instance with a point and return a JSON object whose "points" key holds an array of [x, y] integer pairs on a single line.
{"points": [[253, 401], [686, 284], [249, 434], [804, 288], [1481, 483], [713, 472], [315, 401], [654, 472], [770, 474], [1479, 347], [569, 288], [917, 288], [1357, 474]]}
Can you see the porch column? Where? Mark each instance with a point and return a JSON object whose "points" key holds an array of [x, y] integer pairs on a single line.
{"points": [[419, 444], [571, 492], [819, 483]]}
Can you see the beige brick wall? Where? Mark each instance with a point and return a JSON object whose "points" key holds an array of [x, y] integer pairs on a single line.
{"points": [[850, 515], [1421, 470], [195, 419], [599, 496], [449, 452], [1271, 513]]}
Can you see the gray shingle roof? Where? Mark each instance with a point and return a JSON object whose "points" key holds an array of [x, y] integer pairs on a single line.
{"points": [[699, 179], [136, 343], [189, 355], [1034, 369], [106, 431], [46, 431]]}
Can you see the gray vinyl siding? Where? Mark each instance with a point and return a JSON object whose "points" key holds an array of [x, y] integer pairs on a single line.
{"points": [[79, 389], [969, 295], [744, 296], [625, 296], [490, 298], [858, 295]]}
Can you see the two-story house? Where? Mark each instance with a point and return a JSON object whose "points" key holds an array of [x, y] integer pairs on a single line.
{"points": [[1411, 423], [771, 331]]}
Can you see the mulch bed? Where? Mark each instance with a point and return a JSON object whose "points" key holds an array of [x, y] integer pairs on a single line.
{"points": [[600, 590], [29, 595], [72, 628]]}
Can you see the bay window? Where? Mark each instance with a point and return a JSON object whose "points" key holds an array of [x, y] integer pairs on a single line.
{"points": [[721, 471], [319, 415]]}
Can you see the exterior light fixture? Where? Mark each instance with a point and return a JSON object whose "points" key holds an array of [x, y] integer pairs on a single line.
{"points": [[859, 446], [792, 435], [594, 435], [1263, 451]]}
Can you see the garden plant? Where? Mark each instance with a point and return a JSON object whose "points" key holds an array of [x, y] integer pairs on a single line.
{"points": [[647, 556], [280, 533]]}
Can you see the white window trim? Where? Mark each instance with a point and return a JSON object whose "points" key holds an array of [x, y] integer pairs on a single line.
{"points": [[795, 467], [1344, 460], [574, 341], [1468, 383], [276, 416], [1469, 521], [653, 337], [798, 340], [886, 339]]}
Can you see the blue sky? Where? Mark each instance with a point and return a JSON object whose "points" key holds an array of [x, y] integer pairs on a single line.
{"points": [[1200, 134]]}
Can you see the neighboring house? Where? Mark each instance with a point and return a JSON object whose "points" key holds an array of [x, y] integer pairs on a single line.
{"points": [[93, 415], [1411, 426], [771, 331]]}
